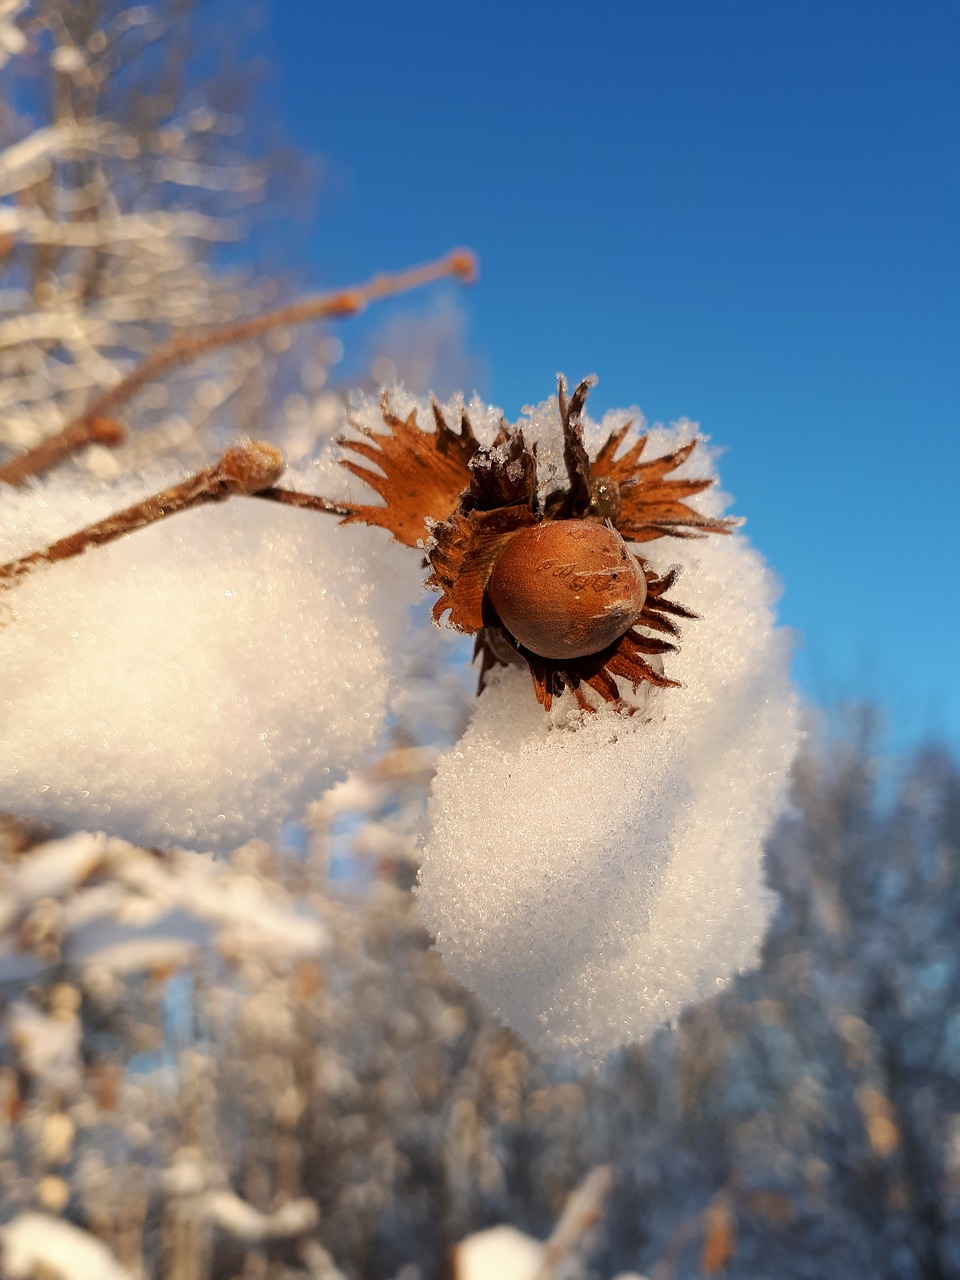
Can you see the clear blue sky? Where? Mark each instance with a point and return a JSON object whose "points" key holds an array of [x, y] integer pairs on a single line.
{"points": [[742, 211]]}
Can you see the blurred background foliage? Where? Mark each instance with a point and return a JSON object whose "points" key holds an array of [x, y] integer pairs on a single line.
{"points": [[267, 1072]]}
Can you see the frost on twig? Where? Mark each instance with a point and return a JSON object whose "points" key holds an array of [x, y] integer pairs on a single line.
{"points": [[195, 1192], [97, 266], [30, 227], [25, 162], [12, 39], [582, 1212], [245, 469]]}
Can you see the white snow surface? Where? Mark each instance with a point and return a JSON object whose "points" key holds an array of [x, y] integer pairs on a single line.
{"points": [[199, 681], [588, 877]]}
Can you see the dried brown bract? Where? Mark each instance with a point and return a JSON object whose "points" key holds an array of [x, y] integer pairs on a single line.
{"points": [[547, 581]]}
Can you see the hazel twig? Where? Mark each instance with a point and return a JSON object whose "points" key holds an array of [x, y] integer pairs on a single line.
{"points": [[309, 501], [244, 469], [96, 424]]}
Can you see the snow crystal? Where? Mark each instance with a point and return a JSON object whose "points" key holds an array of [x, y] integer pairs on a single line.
{"points": [[203, 680], [590, 876], [198, 681]]}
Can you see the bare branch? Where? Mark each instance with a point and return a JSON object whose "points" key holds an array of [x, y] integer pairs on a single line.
{"points": [[76, 435], [309, 501], [715, 1224], [460, 264], [583, 1209], [244, 469]]}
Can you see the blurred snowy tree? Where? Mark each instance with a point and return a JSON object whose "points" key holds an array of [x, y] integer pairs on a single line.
{"points": [[327, 1097], [121, 175]]}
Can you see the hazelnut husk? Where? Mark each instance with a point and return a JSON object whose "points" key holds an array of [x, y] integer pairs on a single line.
{"points": [[541, 578], [567, 588]]}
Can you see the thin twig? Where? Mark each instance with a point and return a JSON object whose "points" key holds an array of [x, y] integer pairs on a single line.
{"points": [[96, 423], [310, 501], [714, 1224], [75, 435], [583, 1209], [244, 469]]}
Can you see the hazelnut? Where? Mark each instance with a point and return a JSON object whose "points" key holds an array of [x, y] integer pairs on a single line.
{"points": [[567, 588]]}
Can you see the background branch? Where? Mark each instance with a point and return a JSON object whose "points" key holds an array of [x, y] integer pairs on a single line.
{"points": [[88, 427]]}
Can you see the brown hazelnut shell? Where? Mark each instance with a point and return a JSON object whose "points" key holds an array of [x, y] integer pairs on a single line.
{"points": [[567, 588]]}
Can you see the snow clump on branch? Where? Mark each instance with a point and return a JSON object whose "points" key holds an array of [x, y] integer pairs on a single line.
{"points": [[200, 681], [589, 875]]}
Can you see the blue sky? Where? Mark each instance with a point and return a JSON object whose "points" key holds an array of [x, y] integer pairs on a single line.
{"points": [[746, 212]]}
